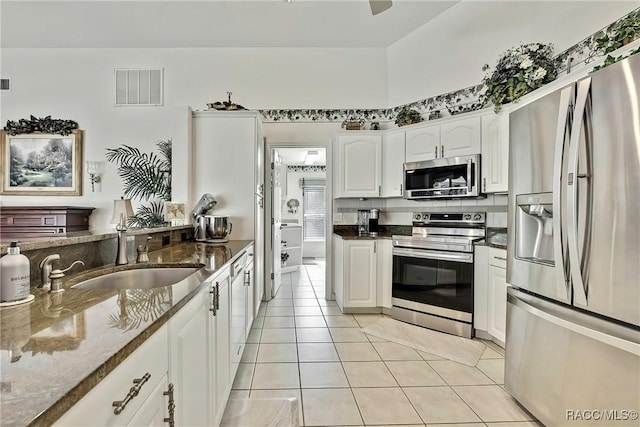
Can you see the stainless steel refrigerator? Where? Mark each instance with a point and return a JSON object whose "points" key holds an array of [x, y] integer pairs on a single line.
{"points": [[573, 311]]}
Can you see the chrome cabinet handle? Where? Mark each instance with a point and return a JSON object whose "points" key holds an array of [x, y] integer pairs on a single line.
{"points": [[401, 189], [171, 407], [217, 296], [499, 258], [214, 300], [484, 184], [133, 392], [379, 190], [436, 151], [442, 151]]}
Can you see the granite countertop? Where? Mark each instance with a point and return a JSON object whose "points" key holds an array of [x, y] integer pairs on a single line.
{"points": [[491, 244], [56, 348], [32, 243], [349, 232]]}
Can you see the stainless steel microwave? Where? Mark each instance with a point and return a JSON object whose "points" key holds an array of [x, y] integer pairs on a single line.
{"points": [[447, 178]]}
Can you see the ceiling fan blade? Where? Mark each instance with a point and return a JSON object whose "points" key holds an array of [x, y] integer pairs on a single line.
{"points": [[379, 6]]}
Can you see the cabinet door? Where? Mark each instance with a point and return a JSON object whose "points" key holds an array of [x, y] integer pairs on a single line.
{"points": [[249, 284], [495, 152], [221, 364], [460, 137], [96, 408], [188, 360], [384, 270], [422, 143], [392, 164], [337, 246], [480, 288], [360, 273], [497, 320], [155, 408], [238, 320], [360, 165]]}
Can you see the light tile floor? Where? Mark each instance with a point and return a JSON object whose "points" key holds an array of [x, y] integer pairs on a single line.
{"points": [[302, 346]]}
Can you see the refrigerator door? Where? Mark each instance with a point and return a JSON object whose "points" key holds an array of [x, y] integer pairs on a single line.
{"points": [[563, 365], [536, 254], [603, 181]]}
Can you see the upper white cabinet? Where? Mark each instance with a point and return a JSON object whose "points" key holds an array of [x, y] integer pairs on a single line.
{"points": [[359, 165], [455, 137], [495, 152], [393, 146], [422, 143], [460, 137]]}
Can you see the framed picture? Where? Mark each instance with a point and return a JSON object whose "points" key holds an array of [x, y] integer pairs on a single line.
{"points": [[42, 164], [174, 213]]}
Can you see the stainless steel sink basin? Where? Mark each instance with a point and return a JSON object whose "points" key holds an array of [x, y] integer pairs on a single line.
{"points": [[141, 278]]}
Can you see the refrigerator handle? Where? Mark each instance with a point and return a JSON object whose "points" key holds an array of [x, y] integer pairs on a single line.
{"points": [[562, 284], [580, 293]]}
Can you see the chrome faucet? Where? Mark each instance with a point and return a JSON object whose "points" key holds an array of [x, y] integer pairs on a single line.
{"points": [[51, 280], [121, 228], [143, 251]]}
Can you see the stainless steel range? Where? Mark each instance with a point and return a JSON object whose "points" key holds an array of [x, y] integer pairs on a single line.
{"points": [[433, 271]]}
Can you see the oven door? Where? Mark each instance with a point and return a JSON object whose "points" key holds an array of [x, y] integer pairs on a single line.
{"points": [[434, 278]]}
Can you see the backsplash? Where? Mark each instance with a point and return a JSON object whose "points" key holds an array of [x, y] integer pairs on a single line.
{"points": [[398, 211], [462, 100]]}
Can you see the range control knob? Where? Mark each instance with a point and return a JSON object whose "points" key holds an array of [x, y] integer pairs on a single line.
{"points": [[467, 217], [417, 216], [477, 216], [425, 217]]}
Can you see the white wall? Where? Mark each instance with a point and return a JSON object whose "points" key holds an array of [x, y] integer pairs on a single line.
{"points": [[77, 84], [448, 52]]}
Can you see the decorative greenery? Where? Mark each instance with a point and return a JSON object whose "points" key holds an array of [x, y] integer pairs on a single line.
{"points": [[145, 176], [519, 71], [408, 116], [138, 306], [43, 125], [621, 33]]}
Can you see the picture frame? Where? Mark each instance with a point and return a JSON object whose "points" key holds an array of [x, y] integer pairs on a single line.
{"points": [[41, 164], [174, 213]]}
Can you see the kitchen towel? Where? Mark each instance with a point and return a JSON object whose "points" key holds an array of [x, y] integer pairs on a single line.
{"points": [[450, 347]]}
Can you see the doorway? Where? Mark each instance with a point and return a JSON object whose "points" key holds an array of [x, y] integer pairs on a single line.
{"points": [[300, 216]]}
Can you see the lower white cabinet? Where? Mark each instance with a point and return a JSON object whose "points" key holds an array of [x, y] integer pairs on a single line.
{"points": [[490, 292], [146, 370], [362, 275], [188, 365]]}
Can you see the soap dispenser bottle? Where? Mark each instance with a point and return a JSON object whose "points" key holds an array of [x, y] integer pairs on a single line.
{"points": [[14, 275]]}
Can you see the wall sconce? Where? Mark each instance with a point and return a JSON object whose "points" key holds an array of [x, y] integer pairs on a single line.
{"points": [[95, 171]]}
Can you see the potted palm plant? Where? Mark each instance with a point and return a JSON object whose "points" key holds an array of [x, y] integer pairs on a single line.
{"points": [[146, 176]]}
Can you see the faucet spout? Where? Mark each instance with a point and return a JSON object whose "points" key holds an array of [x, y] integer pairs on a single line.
{"points": [[121, 255]]}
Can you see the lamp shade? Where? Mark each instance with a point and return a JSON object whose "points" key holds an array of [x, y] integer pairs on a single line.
{"points": [[120, 207]]}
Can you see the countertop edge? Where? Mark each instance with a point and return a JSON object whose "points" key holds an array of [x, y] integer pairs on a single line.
{"points": [[61, 406]]}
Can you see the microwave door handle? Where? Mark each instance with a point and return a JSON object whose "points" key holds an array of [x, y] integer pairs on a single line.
{"points": [[580, 293], [559, 192], [469, 163]]}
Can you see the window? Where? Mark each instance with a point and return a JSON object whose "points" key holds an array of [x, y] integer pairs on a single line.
{"points": [[313, 196]]}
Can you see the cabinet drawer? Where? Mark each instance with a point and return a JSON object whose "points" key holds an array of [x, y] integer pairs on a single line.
{"points": [[96, 407], [498, 257]]}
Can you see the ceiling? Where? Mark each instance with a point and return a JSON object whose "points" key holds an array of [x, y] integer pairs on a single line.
{"points": [[209, 23], [296, 156]]}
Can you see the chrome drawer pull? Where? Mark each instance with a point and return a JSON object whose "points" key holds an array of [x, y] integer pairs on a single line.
{"points": [[133, 392], [500, 258], [171, 407]]}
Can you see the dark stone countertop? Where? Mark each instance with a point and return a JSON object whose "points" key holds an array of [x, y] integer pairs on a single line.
{"points": [[490, 244], [55, 349], [349, 232]]}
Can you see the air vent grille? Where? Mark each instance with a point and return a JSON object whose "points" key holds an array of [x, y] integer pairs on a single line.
{"points": [[5, 84], [138, 86]]}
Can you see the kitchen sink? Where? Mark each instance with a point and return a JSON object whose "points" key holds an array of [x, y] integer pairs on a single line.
{"points": [[138, 278]]}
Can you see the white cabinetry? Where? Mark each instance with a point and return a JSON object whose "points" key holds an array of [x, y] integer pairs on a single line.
{"points": [[359, 165], [422, 143], [490, 292], [495, 152], [393, 146], [238, 312], [146, 369], [460, 137], [291, 239], [362, 273], [188, 360], [220, 347], [455, 137]]}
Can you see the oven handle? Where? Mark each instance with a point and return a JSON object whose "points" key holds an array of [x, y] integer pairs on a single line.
{"points": [[426, 254]]}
